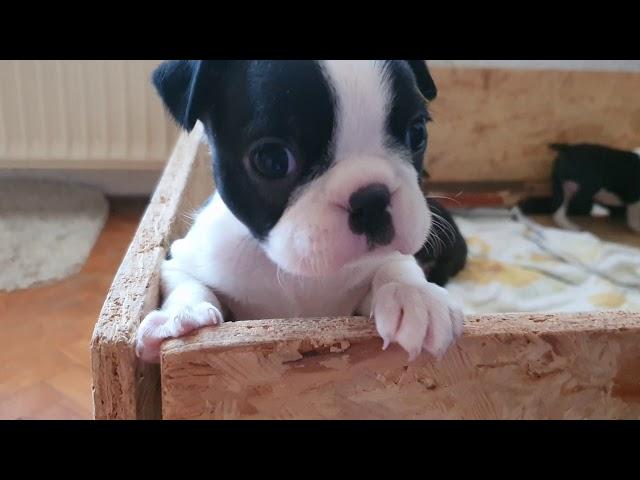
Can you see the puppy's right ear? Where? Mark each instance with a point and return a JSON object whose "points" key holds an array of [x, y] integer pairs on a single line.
{"points": [[185, 89], [426, 85]]}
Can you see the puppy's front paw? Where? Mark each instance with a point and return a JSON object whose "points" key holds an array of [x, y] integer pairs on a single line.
{"points": [[417, 318], [159, 325]]}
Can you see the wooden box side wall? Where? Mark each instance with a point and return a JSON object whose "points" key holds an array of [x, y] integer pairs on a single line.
{"points": [[572, 366], [123, 387]]}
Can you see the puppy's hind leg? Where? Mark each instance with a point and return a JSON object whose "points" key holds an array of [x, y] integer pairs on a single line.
{"points": [[633, 216], [569, 190]]}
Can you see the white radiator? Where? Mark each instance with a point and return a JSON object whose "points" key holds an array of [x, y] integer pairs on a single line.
{"points": [[85, 114]]}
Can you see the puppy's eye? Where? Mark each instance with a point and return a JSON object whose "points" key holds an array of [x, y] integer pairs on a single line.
{"points": [[272, 160], [416, 138]]}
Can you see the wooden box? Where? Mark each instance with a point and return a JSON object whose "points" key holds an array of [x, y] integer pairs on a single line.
{"points": [[515, 366]]}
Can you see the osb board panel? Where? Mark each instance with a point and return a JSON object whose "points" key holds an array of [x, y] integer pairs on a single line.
{"points": [[505, 367], [495, 124], [123, 387]]}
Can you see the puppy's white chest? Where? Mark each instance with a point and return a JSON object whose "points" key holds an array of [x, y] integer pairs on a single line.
{"points": [[219, 252], [273, 294]]}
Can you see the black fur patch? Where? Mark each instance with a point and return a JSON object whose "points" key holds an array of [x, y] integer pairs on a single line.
{"points": [[287, 100], [407, 104], [241, 102]]}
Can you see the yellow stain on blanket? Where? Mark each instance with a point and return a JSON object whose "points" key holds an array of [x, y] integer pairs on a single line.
{"points": [[539, 257], [482, 271], [477, 246], [608, 300]]}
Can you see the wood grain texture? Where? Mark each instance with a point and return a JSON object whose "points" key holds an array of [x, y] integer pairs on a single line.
{"points": [[495, 124], [505, 367], [124, 388]]}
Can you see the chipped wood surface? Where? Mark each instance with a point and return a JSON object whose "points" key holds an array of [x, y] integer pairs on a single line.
{"points": [[516, 366], [124, 388]]}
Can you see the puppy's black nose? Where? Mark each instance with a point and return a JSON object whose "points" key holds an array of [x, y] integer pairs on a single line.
{"points": [[369, 215]]}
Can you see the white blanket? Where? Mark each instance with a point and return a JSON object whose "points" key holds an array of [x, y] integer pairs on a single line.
{"points": [[515, 265]]}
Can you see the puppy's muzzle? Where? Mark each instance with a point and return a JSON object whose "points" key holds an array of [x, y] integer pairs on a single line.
{"points": [[369, 215]]}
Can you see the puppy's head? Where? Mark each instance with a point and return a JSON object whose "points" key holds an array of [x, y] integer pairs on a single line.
{"points": [[319, 159]]}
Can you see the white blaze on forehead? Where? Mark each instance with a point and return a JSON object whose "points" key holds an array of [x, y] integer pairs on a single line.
{"points": [[363, 101]]}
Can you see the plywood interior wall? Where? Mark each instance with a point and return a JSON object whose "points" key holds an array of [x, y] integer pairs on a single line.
{"points": [[495, 124]]}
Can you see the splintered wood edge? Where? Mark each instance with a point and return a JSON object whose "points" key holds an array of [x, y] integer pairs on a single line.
{"points": [[320, 332], [121, 384]]}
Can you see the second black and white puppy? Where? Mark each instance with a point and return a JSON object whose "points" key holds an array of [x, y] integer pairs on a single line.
{"points": [[318, 209], [587, 174]]}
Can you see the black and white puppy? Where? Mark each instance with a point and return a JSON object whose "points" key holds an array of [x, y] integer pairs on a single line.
{"points": [[318, 209], [586, 174]]}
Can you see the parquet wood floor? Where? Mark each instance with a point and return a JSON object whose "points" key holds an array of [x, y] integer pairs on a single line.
{"points": [[45, 331]]}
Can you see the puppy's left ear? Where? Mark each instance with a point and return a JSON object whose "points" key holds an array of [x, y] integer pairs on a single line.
{"points": [[426, 85]]}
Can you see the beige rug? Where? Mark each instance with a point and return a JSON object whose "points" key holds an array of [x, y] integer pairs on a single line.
{"points": [[47, 230]]}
